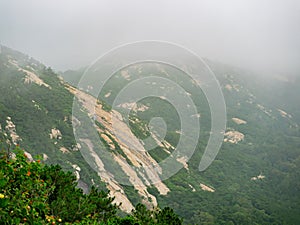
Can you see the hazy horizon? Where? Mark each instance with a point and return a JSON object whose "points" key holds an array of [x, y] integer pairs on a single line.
{"points": [[260, 35]]}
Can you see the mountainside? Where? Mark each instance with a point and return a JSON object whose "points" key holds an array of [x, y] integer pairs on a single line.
{"points": [[255, 178], [36, 112]]}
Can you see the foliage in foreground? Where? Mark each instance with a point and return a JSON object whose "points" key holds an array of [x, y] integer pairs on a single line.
{"points": [[35, 193]]}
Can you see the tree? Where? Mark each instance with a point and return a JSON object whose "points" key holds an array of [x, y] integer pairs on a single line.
{"points": [[204, 218]]}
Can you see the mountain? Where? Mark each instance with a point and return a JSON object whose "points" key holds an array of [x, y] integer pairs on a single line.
{"points": [[36, 112], [253, 180]]}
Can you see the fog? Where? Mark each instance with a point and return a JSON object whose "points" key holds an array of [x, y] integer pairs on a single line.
{"points": [[256, 34]]}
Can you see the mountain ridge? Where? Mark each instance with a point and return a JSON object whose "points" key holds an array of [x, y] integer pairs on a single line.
{"points": [[254, 178]]}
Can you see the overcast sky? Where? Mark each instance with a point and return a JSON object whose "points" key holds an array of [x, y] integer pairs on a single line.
{"points": [[64, 34]]}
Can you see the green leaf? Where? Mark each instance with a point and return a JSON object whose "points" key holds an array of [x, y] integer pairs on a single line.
{"points": [[3, 182], [3, 202]]}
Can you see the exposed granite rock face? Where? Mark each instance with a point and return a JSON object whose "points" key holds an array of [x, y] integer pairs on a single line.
{"points": [[233, 137], [10, 129], [239, 121], [82, 185], [55, 134], [132, 148]]}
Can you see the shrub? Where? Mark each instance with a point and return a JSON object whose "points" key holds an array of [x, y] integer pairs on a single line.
{"points": [[35, 193]]}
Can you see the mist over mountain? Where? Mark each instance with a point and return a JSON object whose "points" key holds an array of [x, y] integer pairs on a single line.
{"points": [[68, 35]]}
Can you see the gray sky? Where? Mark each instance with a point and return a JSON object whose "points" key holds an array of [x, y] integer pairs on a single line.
{"points": [[64, 34]]}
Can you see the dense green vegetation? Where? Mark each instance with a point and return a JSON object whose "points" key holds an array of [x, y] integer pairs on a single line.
{"points": [[35, 193], [271, 147]]}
